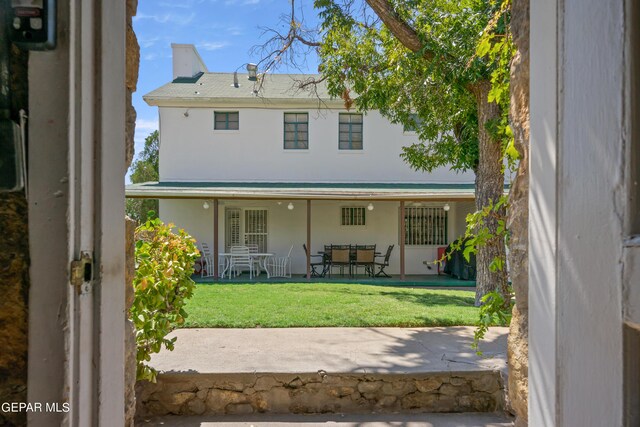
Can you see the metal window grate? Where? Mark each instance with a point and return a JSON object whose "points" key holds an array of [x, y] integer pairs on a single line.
{"points": [[353, 216], [226, 120], [255, 228], [296, 131], [425, 226], [350, 131]]}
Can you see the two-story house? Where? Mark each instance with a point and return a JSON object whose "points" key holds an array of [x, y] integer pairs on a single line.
{"points": [[249, 161]]}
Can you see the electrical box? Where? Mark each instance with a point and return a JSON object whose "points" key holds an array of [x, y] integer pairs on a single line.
{"points": [[11, 160], [32, 24]]}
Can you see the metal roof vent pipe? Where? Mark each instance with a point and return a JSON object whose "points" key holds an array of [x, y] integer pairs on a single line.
{"points": [[252, 69], [235, 79]]}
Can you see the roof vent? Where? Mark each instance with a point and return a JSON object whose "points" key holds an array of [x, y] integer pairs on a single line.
{"points": [[235, 79], [252, 69]]}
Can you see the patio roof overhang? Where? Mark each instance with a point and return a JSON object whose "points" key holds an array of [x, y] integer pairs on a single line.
{"points": [[301, 190]]}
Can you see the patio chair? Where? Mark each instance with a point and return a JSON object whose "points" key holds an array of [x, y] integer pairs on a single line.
{"points": [[340, 257], [280, 266], [206, 260], [314, 272], [384, 263], [364, 257], [240, 260], [257, 265]]}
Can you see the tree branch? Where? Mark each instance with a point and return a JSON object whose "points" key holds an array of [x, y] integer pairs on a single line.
{"points": [[399, 28]]}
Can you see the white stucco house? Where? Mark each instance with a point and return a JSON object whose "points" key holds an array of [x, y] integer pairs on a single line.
{"points": [[244, 161]]}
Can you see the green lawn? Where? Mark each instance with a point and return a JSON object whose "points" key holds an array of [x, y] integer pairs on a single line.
{"points": [[326, 304]]}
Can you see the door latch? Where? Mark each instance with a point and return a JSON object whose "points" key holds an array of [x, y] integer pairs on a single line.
{"points": [[82, 270]]}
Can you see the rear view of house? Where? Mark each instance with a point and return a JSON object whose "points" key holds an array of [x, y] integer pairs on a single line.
{"points": [[247, 159]]}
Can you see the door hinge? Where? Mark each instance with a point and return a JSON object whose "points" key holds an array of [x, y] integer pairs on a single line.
{"points": [[82, 271]]}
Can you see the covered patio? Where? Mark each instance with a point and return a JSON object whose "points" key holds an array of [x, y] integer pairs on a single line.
{"points": [[397, 206]]}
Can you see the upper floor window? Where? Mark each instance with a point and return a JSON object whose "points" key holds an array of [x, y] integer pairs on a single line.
{"points": [[296, 131], [414, 124], [350, 131], [425, 226], [352, 216], [226, 120]]}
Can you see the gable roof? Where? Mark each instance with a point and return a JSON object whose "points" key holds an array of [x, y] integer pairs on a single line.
{"points": [[218, 88]]}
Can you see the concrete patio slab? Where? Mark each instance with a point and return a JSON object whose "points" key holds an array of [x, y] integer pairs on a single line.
{"points": [[343, 350]]}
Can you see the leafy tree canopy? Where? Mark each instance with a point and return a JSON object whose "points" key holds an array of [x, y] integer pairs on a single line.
{"points": [[144, 169], [424, 81]]}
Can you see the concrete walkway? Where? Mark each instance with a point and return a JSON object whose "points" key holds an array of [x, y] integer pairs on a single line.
{"points": [[343, 350], [335, 420]]}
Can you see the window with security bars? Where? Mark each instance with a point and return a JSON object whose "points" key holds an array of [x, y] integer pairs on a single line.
{"points": [[350, 131], [226, 120], [255, 228], [353, 216], [296, 131], [425, 226]]}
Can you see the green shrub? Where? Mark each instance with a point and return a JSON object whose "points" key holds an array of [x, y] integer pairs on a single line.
{"points": [[164, 264]]}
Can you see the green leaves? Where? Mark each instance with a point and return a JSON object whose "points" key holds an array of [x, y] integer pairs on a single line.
{"points": [[145, 169], [495, 311], [162, 284]]}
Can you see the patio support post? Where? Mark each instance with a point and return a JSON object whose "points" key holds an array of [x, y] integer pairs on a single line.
{"points": [[308, 239], [215, 240], [402, 233]]}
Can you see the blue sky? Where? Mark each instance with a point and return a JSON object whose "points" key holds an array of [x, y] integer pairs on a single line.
{"points": [[223, 31]]}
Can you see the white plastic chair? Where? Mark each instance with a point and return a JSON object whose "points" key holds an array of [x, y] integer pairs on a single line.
{"points": [[257, 265], [206, 259], [240, 260], [280, 266]]}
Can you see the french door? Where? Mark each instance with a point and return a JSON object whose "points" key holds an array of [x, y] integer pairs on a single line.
{"points": [[246, 226]]}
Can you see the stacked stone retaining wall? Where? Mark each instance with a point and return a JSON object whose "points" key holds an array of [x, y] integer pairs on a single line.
{"points": [[321, 392]]}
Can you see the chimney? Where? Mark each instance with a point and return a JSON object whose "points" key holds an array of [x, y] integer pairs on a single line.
{"points": [[186, 61]]}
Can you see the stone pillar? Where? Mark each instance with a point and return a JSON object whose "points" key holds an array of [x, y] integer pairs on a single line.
{"points": [[518, 216], [133, 62], [130, 332]]}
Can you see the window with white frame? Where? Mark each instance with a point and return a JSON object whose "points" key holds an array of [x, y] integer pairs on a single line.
{"points": [[296, 131], [425, 226], [353, 216], [226, 120], [350, 131]]}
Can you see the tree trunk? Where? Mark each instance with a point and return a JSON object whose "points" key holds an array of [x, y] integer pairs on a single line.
{"points": [[489, 188]]}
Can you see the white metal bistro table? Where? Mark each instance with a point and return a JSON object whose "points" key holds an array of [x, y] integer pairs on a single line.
{"points": [[260, 257]]}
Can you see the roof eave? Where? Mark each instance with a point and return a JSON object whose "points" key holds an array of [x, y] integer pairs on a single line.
{"points": [[169, 101]]}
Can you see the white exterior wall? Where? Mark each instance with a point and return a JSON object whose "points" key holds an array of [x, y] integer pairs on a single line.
{"points": [[191, 150], [288, 227]]}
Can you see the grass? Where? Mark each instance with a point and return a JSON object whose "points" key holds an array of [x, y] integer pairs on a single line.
{"points": [[326, 304]]}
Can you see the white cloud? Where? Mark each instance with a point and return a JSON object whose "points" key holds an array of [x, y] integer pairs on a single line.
{"points": [[167, 18], [212, 45], [146, 125], [146, 42]]}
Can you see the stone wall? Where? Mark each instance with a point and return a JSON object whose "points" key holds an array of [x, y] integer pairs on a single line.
{"points": [[197, 394], [518, 218], [132, 64]]}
